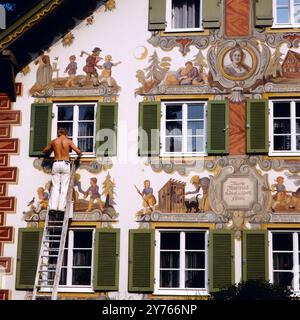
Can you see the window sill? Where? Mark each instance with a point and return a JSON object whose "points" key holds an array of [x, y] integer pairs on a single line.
{"points": [[284, 154], [184, 32], [71, 290], [183, 155], [181, 292]]}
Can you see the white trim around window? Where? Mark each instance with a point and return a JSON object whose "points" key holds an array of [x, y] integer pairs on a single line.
{"points": [[170, 19], [181, 269], [290, 6], [186, 135], [294, 253], [292, 122], [75, 123]]}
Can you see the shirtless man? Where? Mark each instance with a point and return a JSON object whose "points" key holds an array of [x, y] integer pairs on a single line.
{"points": [[60, 170]]}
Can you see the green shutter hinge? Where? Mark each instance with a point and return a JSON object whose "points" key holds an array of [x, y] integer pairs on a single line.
{"points": [[52, 115], [155, 243], [226, 128]]}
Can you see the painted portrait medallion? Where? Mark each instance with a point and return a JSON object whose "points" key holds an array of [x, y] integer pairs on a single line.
{"points": [[237, 63]]}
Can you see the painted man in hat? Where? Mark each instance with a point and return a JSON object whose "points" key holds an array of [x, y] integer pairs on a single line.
{"points": [[91, 66]]}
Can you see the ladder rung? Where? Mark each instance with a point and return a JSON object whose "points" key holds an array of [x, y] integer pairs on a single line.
{"points": [[51, 240], [50, 249], [53, 227], [44, 271], [45, 286]]}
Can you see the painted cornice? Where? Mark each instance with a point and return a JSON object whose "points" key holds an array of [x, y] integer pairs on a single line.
{"points": [[27, 21]]}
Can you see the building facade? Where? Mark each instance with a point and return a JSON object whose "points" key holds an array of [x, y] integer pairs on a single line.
{"points": [[188, 115]]}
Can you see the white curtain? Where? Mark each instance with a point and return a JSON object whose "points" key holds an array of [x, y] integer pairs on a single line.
{"points": [[186, 14]]}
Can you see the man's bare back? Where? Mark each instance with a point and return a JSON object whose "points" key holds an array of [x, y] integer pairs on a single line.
{"points": [[61, 147]]}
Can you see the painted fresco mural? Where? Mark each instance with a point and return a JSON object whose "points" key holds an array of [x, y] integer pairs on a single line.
{"points": [[86, 71], [89, 197]]}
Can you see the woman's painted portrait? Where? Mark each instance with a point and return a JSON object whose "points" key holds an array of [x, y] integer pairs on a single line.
{"points": [[237, 63]]}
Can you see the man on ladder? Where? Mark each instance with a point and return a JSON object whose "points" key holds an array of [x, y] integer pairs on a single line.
{"points": [[60, 171]]}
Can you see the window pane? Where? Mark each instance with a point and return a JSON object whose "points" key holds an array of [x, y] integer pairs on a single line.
{"points": [[170, 240], [195, 112], [82, 258], [86, 112], [298, 142], [63, 277], [282, 126], [173, 144], [169, 279], [194, 260], [67, 125], [195, 144], [283, 2], [297, 12], [81, 277], [83, 239], [65, 113], [169, 260], [282, 143], [194, 279], [173, 128], [86, 144], [86, 129], [283, 15], [195, 128], [282, 241], [284, 279], [194, 240], [298, 126], [174, 112], [283, 261], [186, 13], [281, 109], [298, 109]]}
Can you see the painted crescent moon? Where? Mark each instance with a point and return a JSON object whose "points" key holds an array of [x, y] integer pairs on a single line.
{"points": [[140, 53]]}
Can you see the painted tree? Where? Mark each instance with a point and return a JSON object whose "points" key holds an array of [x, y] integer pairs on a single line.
{"points": [[108, 190], [275, 66], [199, 60], [157, 69]]}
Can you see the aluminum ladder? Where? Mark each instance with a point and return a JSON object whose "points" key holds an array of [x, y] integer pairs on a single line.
{"points": [[52, 250]]}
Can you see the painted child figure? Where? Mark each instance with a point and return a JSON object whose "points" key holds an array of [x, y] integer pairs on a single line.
{"points": [[93, 192], [106, 73], [71, 70], [149, 198], [281, 197]]}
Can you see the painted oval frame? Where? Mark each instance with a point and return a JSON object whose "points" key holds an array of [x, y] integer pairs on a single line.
{"points": [[248, 75]]}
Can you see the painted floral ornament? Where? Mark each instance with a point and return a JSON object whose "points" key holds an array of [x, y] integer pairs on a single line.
{"points": [[110, 5], [25, 70], [89, 20], [68, 39]]}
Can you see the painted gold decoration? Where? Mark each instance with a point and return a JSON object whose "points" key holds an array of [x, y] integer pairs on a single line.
{"points": [[110, 5], [89, 20], [68, 39], [25, 70]]}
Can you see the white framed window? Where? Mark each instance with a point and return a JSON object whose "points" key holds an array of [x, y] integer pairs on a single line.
{"points": [[286, 13], [284, 127], [284, 252], [79, 119], [77, 268], [182, 262], [183, 128], [184, 15]]}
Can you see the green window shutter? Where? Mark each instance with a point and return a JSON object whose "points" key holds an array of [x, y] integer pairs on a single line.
{"points": [[157, 15], [141, 260], [29, 242], [211, 14], [40, 128], [107, 118], [263, 13], [257, 126], [255, 255], [221, 247], [106, 260], [149, 122], [217, 127]]}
